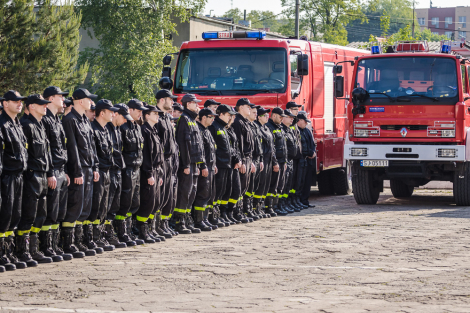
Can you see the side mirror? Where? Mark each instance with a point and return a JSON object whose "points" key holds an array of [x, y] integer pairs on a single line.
{"points": [[302, 64], [337, 69], [167, 60], [166, 71], [339, 86]]}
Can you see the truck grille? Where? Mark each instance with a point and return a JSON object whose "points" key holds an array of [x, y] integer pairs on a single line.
{"points": [[399, 127]]}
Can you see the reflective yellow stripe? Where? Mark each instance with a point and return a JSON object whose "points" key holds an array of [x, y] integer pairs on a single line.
{"points": [[276, 131], [188, 210], [285, 195], [2, 235], [67, 224], [180, 210], [120, 217], [55, 226], [292, 127], [35, 229], [78, 223], [257, 196], [270, 195], [46, 228], [96, 222], [164, 217], [107, 222], [86, 222], [9, 233], [171, 214], [223, 202], [151, 216], [221, 132], [249, 194], [22, 232], [199, 208], [129, 214], [264, 197], [215, 202], [232, 200], [141, 219]]}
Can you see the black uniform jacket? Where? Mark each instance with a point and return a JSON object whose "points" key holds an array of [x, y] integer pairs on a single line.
{"points": [[222, 140], [241, 127], [189, 140], [103, 144], [132, 144], [308, 144], [115, 135], [166, 133], [257, 142], [15, 156], [279, 141], [267, 141], [57, 140], [291, 142], [210, 148], [236, 158], [39, 152], [152, 153]]}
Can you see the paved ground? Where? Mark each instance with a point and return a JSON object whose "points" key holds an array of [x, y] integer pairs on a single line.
{"points": [[397, 256]]}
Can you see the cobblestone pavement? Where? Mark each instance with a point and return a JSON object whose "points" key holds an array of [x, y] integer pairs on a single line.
{"points": [[398, 256]]}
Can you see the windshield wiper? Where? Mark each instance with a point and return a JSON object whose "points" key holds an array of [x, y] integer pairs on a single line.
{"points": [[206, 92], [418, 95], [383, 94], [242, 91]]}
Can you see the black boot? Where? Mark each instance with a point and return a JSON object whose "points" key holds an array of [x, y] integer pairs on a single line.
{"points": [[199, 223], [180, 224], [34, 249], [286, 207], [10, 251], [154, 223], [100, 240], [277, 207], [300, 204], [269, 207], [216, 218], [224, 218], [296, 207], [121, 229], [79, 241], [22, 250], [88, 239], [46, 246], [132, 231], [144, 232], [111, 237], [55, 234], [160, 228], [166, 226], [4, 260], [205, 218], [262, 209], [255, 207], [67, 237], [231, 217], [248, 210], [190, 224], [238, 214]]}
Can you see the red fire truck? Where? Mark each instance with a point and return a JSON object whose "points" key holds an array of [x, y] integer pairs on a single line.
{"points": [[408, 120], [226, 66]]}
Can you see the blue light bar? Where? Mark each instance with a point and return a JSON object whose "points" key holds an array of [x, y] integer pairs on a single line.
{"points": [[375, 49], [256, 35], [445, 48], [209, 35], [234, 35]]}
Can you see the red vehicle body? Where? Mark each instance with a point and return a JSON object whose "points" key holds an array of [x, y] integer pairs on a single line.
{"points": [[266, 72], [409, 118]]}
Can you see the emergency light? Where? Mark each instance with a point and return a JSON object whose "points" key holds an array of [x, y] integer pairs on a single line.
{"points": [[446, 46], [234, 35]]}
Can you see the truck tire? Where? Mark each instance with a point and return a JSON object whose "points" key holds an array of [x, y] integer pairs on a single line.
{"points": [[462, 185], [400, 189], [325, 183], [366, 190], [340, 181]]}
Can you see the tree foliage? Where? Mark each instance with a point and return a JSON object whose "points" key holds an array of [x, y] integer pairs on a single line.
{"points": [[39, 47], [133, 38]]}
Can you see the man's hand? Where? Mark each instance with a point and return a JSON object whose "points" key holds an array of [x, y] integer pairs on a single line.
{"points": [[68, 179], [186, 171], [78, 180], [52, 182], [96, 176], [276, 168], [285, 166], [205, 172], [313, 156], [161, 182], [151, 181], [238, 165], [253, 168], [243, 169], [261, 166], [216, 170]]}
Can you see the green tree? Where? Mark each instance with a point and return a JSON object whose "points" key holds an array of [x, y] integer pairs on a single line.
{"points": [[133, 38], [235, 14], [263, 19], [39, 48]]}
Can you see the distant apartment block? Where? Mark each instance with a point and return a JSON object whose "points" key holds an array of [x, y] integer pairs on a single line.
{"points": [[452, 22]]}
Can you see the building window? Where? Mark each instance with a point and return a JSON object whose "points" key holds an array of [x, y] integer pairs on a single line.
{"points": [[421, 21], [462, 21], [435, 33], [462, 34], [435, 22], [449, 35], [448, 21]]}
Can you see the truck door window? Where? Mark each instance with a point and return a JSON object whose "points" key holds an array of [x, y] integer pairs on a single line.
{"points": [[294, 77], [464, 79]]}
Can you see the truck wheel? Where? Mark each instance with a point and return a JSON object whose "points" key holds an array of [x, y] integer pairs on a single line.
{"points": [[325, 183], [340, 181], [462, 185], [366, 190], [400, 189]]}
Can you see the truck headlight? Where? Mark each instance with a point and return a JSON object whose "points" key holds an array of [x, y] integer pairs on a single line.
{"points": [[446, 153], [359, 151]]}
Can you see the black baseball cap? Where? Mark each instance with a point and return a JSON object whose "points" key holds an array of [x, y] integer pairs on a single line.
{"points": [[136, 104], [92, 107], [288, 113], [244, 101], [178, 107], [189, 97], [278, 111], [52, 91], [105, 104], [68, 101], [152, 108], [292, 104], [36, 99], [82, 93], [224, 108], [165, 93], [123, 109], [211, 102], [13, 95], [262, 111], [206, 112], [303, 116]]}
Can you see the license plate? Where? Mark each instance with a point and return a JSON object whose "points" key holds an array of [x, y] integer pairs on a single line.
{"points": [[374, 163]]}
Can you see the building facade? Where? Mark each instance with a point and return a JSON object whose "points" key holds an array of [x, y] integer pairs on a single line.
{"points": [[452, 22]]}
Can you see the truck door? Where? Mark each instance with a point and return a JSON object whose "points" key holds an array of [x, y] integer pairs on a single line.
{"points": [[329, 110]]}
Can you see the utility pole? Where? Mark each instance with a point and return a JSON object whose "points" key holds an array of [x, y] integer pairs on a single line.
{"points": [[413, 29], [297, 7]]}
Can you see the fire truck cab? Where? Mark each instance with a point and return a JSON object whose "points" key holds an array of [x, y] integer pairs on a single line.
{"points": [[230, 65], [409, 120]]}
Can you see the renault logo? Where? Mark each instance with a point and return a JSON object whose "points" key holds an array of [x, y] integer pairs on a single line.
{"points": [[403, 132]]}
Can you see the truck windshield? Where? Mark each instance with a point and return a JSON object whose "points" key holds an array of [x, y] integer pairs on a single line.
{"points": [[409, 79], [232, 71]]}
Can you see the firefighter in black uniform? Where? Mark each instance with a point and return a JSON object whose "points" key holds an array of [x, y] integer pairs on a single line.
{"points": [[308, 159], [189, 142], [104, 149], [167, 138], [292, 151], [241, 127], [132, 145], [206, 187], [82, 168], [151, 173], [34, 207], [14, 159], [279, 167], [223, 177], [115, 178], [269, 157], [57, 179]]}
